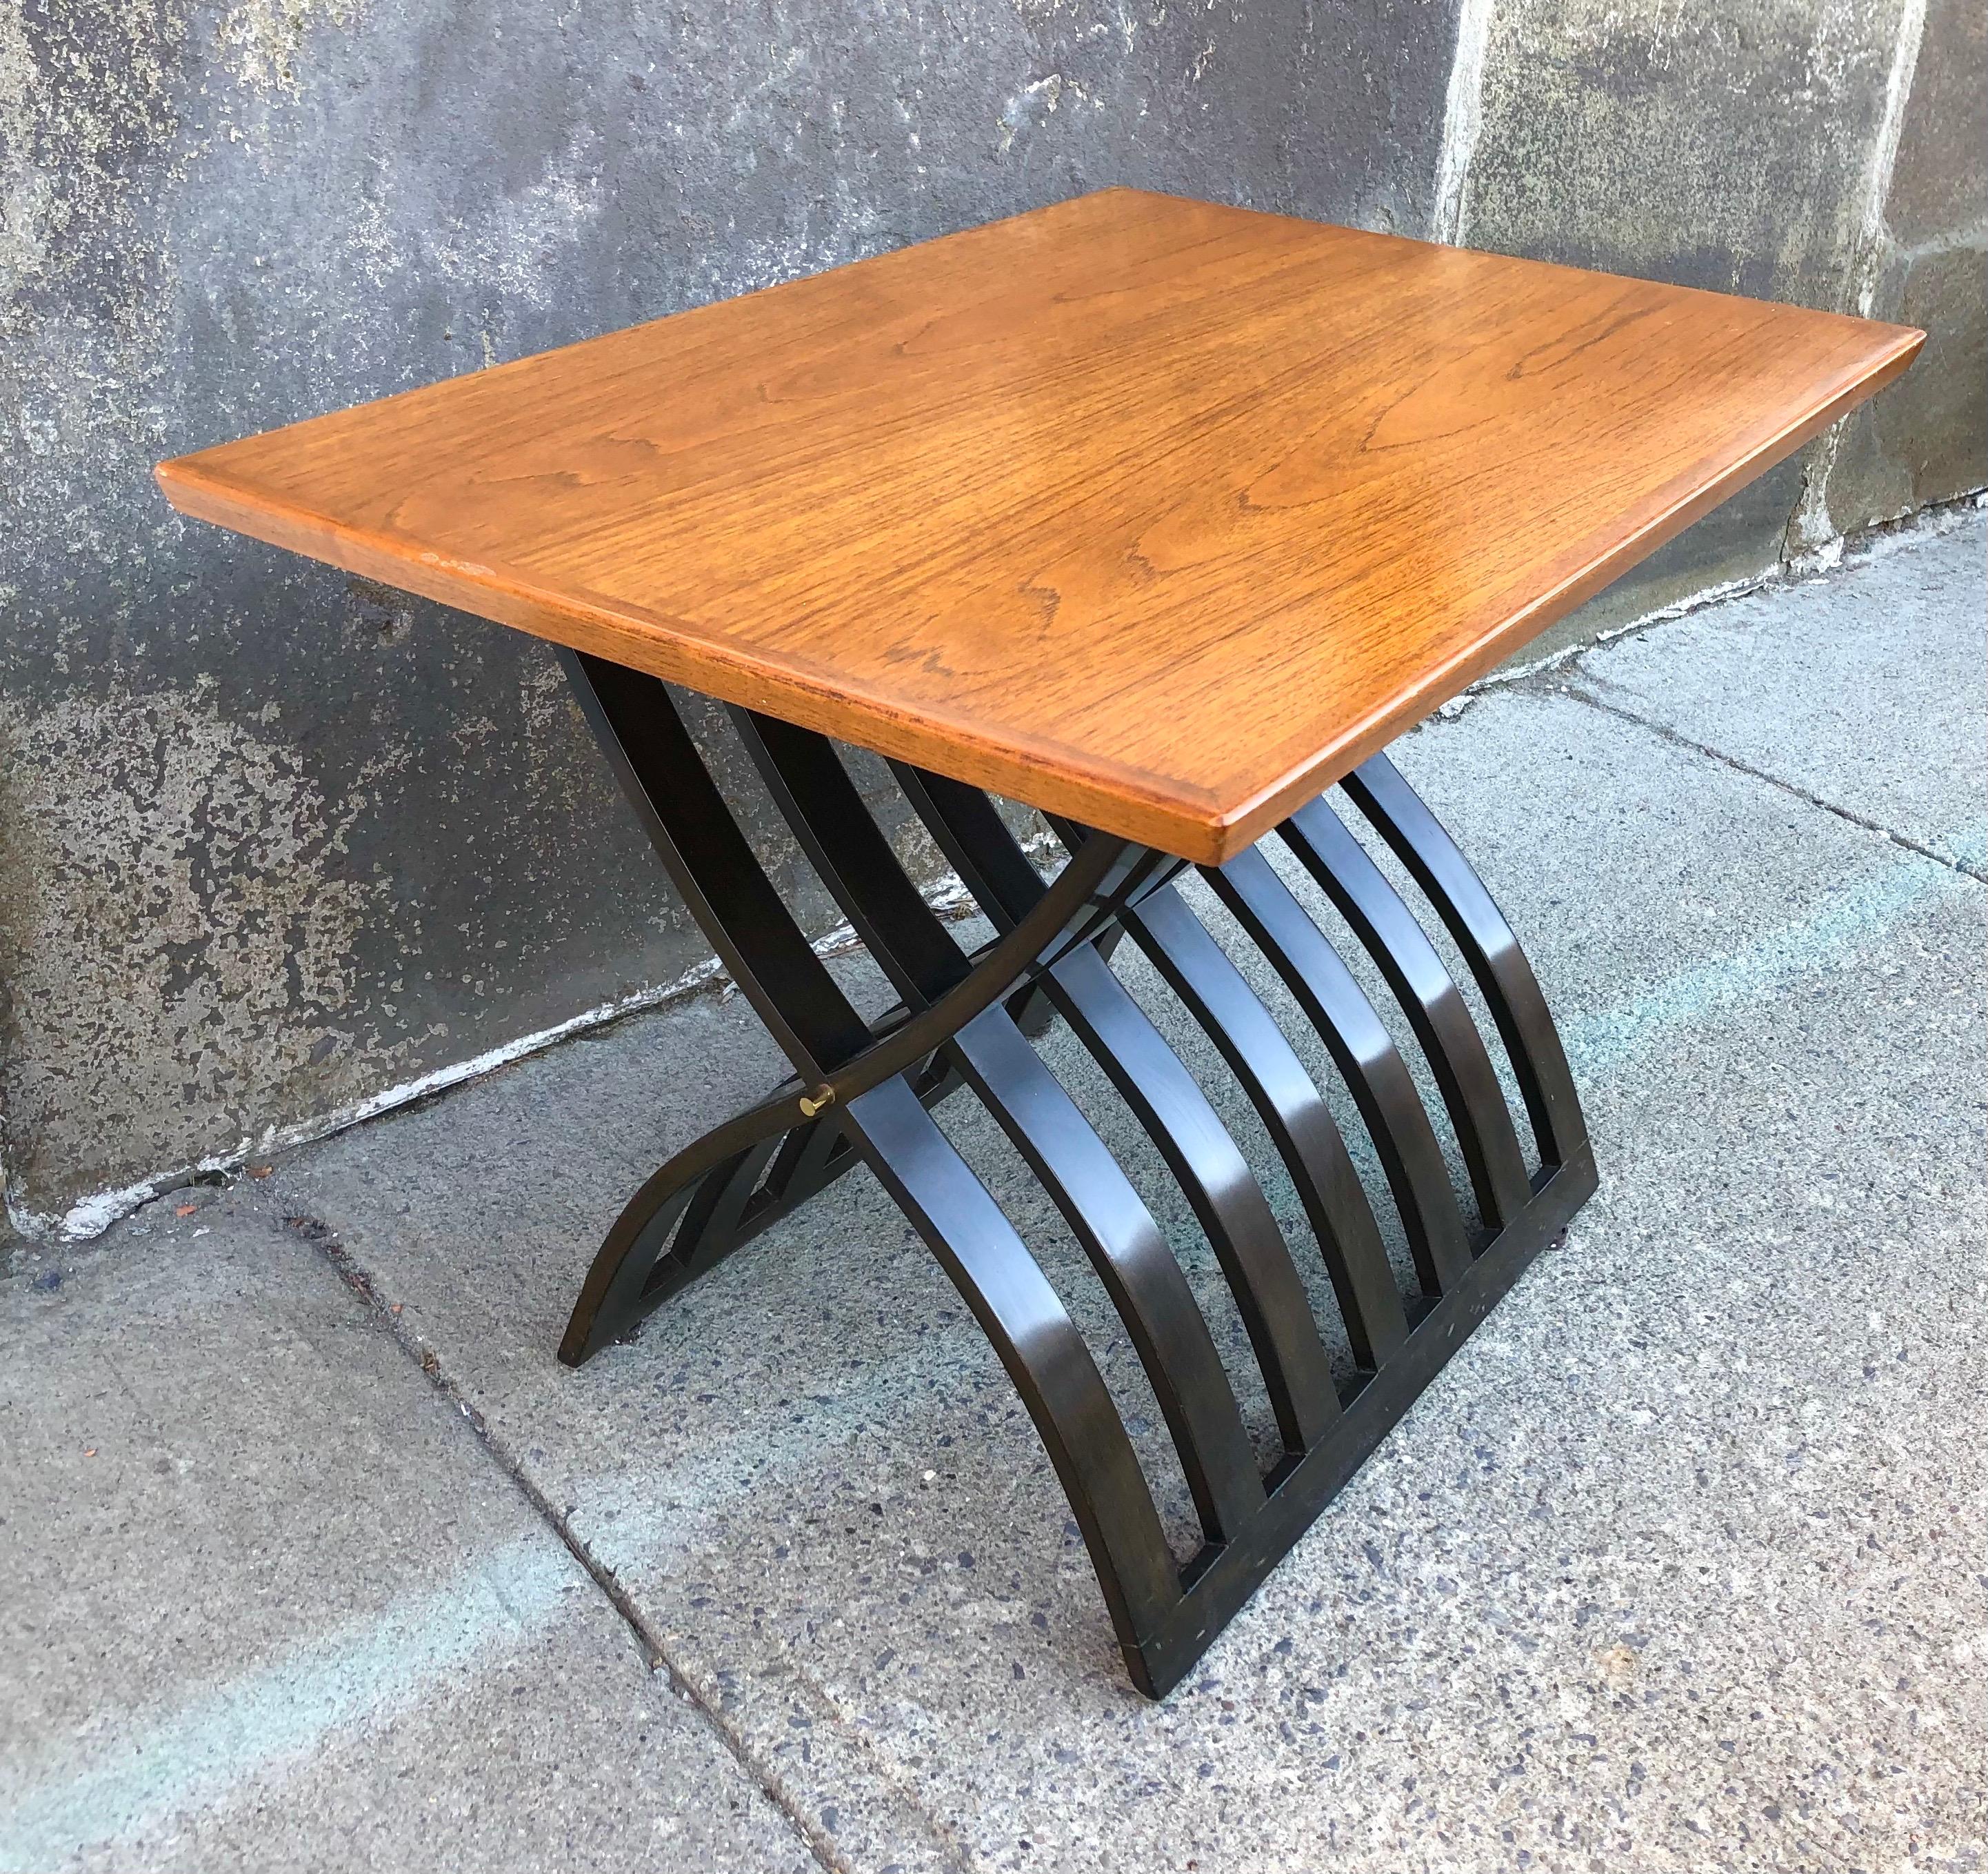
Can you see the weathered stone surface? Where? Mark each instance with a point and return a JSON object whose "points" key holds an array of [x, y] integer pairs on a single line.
{"points": [[1939, 175], [1927, 439], [272, 839], [1614, 137], [1936, 429]]}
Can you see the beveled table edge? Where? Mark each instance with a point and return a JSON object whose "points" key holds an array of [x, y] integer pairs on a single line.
{"points": [[1096, 792], [1236, 831]]}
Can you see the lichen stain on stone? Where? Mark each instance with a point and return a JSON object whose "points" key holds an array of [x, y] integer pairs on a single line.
{"points": [[260, 40], [1032, 103], [24, 191], [1121, 17], [89, 111], [176, 936], [79, 97], [88, 132]]}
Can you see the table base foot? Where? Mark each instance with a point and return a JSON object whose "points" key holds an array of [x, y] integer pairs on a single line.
{"points": [[1219, 1581]]}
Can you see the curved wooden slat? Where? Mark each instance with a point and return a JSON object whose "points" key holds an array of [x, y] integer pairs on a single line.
{"points": [[1117, 1233], [1045, 1355], [1220, 1186], [1478, 927], [1294, 1113], [637, 1266], [1450, 1042], [1364, 1054], [1212, 1173], [1107, 1217], [719, 877], [712, 866]]}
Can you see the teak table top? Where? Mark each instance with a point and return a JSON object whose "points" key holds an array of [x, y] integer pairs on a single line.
{"points": [[1158, 515]]}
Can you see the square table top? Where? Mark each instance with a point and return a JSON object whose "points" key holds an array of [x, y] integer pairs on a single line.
{"points": [[1158, 515]]}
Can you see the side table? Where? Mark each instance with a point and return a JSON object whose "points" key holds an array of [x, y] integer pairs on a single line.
{"points": [[1164, 519]]}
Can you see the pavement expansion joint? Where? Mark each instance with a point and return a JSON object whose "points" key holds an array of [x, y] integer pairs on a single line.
{"points": [[1576, 693], [655, 1653]]}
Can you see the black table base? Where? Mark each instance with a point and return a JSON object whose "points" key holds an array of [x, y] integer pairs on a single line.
{"points": [[862, 1092]]}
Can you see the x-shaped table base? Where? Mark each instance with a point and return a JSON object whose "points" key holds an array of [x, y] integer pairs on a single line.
{"points": [[863, 1092]]}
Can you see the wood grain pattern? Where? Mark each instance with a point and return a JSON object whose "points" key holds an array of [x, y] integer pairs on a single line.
{"points": [[1159, 515]]}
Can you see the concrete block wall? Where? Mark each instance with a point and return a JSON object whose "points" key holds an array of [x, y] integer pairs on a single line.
{"points": [[277, 846]]}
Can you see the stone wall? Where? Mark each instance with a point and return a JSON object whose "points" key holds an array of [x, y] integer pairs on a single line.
{"points": [[277, 845]]}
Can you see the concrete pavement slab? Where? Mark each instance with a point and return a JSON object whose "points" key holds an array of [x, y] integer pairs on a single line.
{"points": [[270, 1604], [1671, 1563], [1866, 687], [1676, 1566]]}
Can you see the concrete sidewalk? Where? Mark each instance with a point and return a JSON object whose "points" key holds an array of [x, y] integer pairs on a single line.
{"points": [[316, 1558]]}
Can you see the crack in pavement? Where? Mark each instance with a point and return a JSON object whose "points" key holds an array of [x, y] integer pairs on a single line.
{"points": [[1577, 693], [820, 1846]]}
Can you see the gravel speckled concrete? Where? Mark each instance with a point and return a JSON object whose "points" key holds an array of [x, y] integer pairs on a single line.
{"points": [[270, 1604], [1677, 1566]]}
